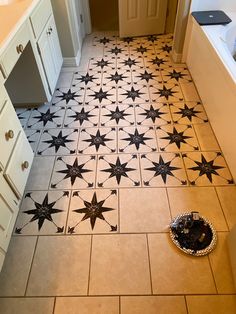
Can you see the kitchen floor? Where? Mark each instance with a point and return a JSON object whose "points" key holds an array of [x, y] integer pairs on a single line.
{"points": [[123, 148]]}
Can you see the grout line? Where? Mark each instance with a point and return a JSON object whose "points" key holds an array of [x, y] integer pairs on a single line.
{"points": [[119, 304], [212, 272], [186, 304], [54, 305], [90, 262], [222, 208], [168, 200], [149, 262]]}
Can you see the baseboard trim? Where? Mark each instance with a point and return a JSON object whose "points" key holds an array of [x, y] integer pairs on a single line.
{"points": [[177, 57], [72, 62]]}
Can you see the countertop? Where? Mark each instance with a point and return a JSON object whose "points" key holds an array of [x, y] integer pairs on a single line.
{"points": [[12, 16]]}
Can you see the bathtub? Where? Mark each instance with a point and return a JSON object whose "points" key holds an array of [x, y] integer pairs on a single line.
{"points": [[209, 56]]}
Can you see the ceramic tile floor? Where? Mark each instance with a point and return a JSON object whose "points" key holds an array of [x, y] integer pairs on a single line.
{"points": [[124, 146]]}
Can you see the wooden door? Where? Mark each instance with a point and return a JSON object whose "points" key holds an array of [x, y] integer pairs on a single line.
{"points": [[142, 17]]}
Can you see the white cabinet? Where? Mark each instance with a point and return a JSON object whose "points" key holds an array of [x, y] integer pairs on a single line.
{"points": [[50, 53]]}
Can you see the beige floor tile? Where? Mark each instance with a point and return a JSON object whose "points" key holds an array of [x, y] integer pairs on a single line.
{"points": [[14, 275], [119, 265], [40, 173], [227, 196], [26, 305], [221, 267], [206, 137], [174, 272], [189, 92], [212, 304], [153, 305], [88, 305], [144, 210], [60, 266], [201, 199]]}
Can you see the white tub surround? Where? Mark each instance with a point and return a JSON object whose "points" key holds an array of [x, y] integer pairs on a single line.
{"points": [[214, 71]]}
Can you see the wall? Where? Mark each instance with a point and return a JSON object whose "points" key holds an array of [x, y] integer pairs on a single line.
{"points": [[227, 5]]}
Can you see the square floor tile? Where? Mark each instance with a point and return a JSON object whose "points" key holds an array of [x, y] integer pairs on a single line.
{"points": [[141, 139], [87, 79], [206, 137], [43, 212], [97, 141], [40, 173], [74, 172], [93, 211], [177, 137], [46, 117], [176, 75], [81, 116], [174, 272], [118, 171], [68, 96], [227, 197], [115, 51], [189, 91], [132, 94], [143, 49], [16, 267], [105, 95], [166, 93], [149, 76], [152, 114], [27, 305], [201, 199], [64, 263], [153, 305], [188, 112], [130, 63], [116, 78], [164, 169], [112, 256], [211, 304], [33, 137], [117, 115], [207, 168], [23, 115], [144, 210], [87, 305], [220, 263], [99, 64], [58, 142], [157, 62]]}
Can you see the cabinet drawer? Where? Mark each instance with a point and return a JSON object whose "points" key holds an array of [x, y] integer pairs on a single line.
{"points": [[9, 130], [18, 168], [40, 16], [15, 48]]}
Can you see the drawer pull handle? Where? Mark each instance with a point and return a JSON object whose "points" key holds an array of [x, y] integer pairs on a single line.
{"points": [[19, 48], [25, 165], [9, 135]]}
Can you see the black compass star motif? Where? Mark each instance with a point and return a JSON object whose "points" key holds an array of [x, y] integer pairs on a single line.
{"points": [[166, 48], [117, 77], [74, 171], [102, 63], [176, 137], [130, 62], [58, 141], [47, 116], [165, 92], [100, 95], [152, 113], [141, 49], [97, 140], [82, 116], [128, 40], [137, 139], [206, 168], [118, 170], [116, 50], [117, 115], [43, 211], [162, 169], [86, 78], [147, 76], [158, 61], [133, 94], [93, 210], [68, 96], [104, 40], [152, 38], [188, 112], [176, 75]]}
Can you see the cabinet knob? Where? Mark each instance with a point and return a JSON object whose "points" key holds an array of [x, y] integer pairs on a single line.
{"points": [[19, 48], [9, 135], [25, 165]]}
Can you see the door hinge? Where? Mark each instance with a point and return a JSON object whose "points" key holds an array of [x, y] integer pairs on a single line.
{"points": [[81, 18]]}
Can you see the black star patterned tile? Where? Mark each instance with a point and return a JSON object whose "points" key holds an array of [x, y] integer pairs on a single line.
{"points": [[115, 51], [163, 48], [23, 115], [118, 171], [81, 116], [43, 212], [152, 77], [117, 115], [68, 96], [133, 94], [100, 64], [157, 62], [74, 172], [137, 139], [93, 211], [58, 142], [86, 79], [152, 114], [177, 137], [46, 117], [130, 63], [176, 75], [166, 93], [104, 95], [188, 112], [142, 49], [116, 78], [207, 168], [164, 169], [95, 141], [33, 137]]}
